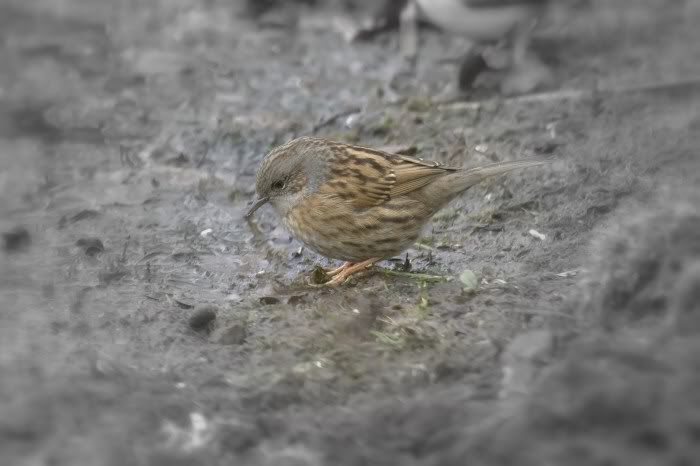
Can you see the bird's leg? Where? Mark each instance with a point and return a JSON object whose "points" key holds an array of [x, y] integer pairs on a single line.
{"points": [[527, 73], [384, 16], [405, 67], [471, 66], [522, 38], [408, 33], [348, 270], [337, 270], [499, 56]]}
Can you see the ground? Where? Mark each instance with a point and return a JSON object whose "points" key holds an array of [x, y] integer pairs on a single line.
{"points": [[552, 317]]}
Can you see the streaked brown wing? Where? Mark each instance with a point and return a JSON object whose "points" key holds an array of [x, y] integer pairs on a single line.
{"points": [[412, 174], [368, 177]]}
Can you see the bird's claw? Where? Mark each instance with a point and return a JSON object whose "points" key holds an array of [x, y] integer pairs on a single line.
{"points": [[342, 273]]}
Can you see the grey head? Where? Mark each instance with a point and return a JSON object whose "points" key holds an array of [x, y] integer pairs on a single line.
{"points": [[290, 172]]}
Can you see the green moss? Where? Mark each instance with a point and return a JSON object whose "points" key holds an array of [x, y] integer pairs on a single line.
{"points": [[236, 195], [384, 126], [428, 240], [394, 339], [418, 104], [486, 216], [409, 334], [319, 276], [351, 137], [421, 277], [446, 215]]}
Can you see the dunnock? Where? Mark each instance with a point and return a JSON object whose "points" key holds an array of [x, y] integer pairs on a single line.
{"points": [[357, 204]]}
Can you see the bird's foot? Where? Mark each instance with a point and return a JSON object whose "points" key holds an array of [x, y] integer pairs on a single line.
{"points": [[343, 272], [498, 58], [408, 31], [333, 272], [405, 68], [471, 66]]}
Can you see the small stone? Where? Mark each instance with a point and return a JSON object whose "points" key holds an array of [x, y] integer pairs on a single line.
{"points": [[202, 318], [178, 161], [296, 299], [536, 234], [91, 246], [269, 300], [232, 335]]}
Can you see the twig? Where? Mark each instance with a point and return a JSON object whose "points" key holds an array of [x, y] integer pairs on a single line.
{"points": [[126, 245], [415, 276], [332, 119], [541, 312], [203, 158], [681, 87]]}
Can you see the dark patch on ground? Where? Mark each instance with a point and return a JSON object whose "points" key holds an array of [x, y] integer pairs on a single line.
{"points": [[16, 239]]}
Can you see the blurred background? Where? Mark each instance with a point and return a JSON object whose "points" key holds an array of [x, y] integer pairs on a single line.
{"points": [[548, 317]]}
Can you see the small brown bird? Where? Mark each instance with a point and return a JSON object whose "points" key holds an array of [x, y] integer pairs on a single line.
{"points": [[357, 204]]}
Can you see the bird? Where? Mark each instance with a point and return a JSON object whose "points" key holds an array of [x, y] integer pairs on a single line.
{"points": [[506, 24], [357, 204]]}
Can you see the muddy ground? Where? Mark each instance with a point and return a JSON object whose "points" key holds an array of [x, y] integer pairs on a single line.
{"points": [[142, 321]]}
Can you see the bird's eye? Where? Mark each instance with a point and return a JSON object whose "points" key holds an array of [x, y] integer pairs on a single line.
{"points": [[277, 185]]}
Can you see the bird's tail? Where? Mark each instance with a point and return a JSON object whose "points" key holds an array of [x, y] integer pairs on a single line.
{"points": [[471, 176], [459, 181]]}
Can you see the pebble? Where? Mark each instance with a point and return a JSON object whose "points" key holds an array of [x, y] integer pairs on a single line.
{"points": [[91, 246], [269, 300]]}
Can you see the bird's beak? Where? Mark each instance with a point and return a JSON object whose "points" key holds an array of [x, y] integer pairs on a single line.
{"points": [[256, 205]]}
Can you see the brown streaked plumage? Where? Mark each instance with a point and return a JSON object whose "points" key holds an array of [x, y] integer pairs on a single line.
{"points": [[357, 204]]}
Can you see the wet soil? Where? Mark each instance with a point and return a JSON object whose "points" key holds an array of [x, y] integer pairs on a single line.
{"points": [[143, 321]]}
